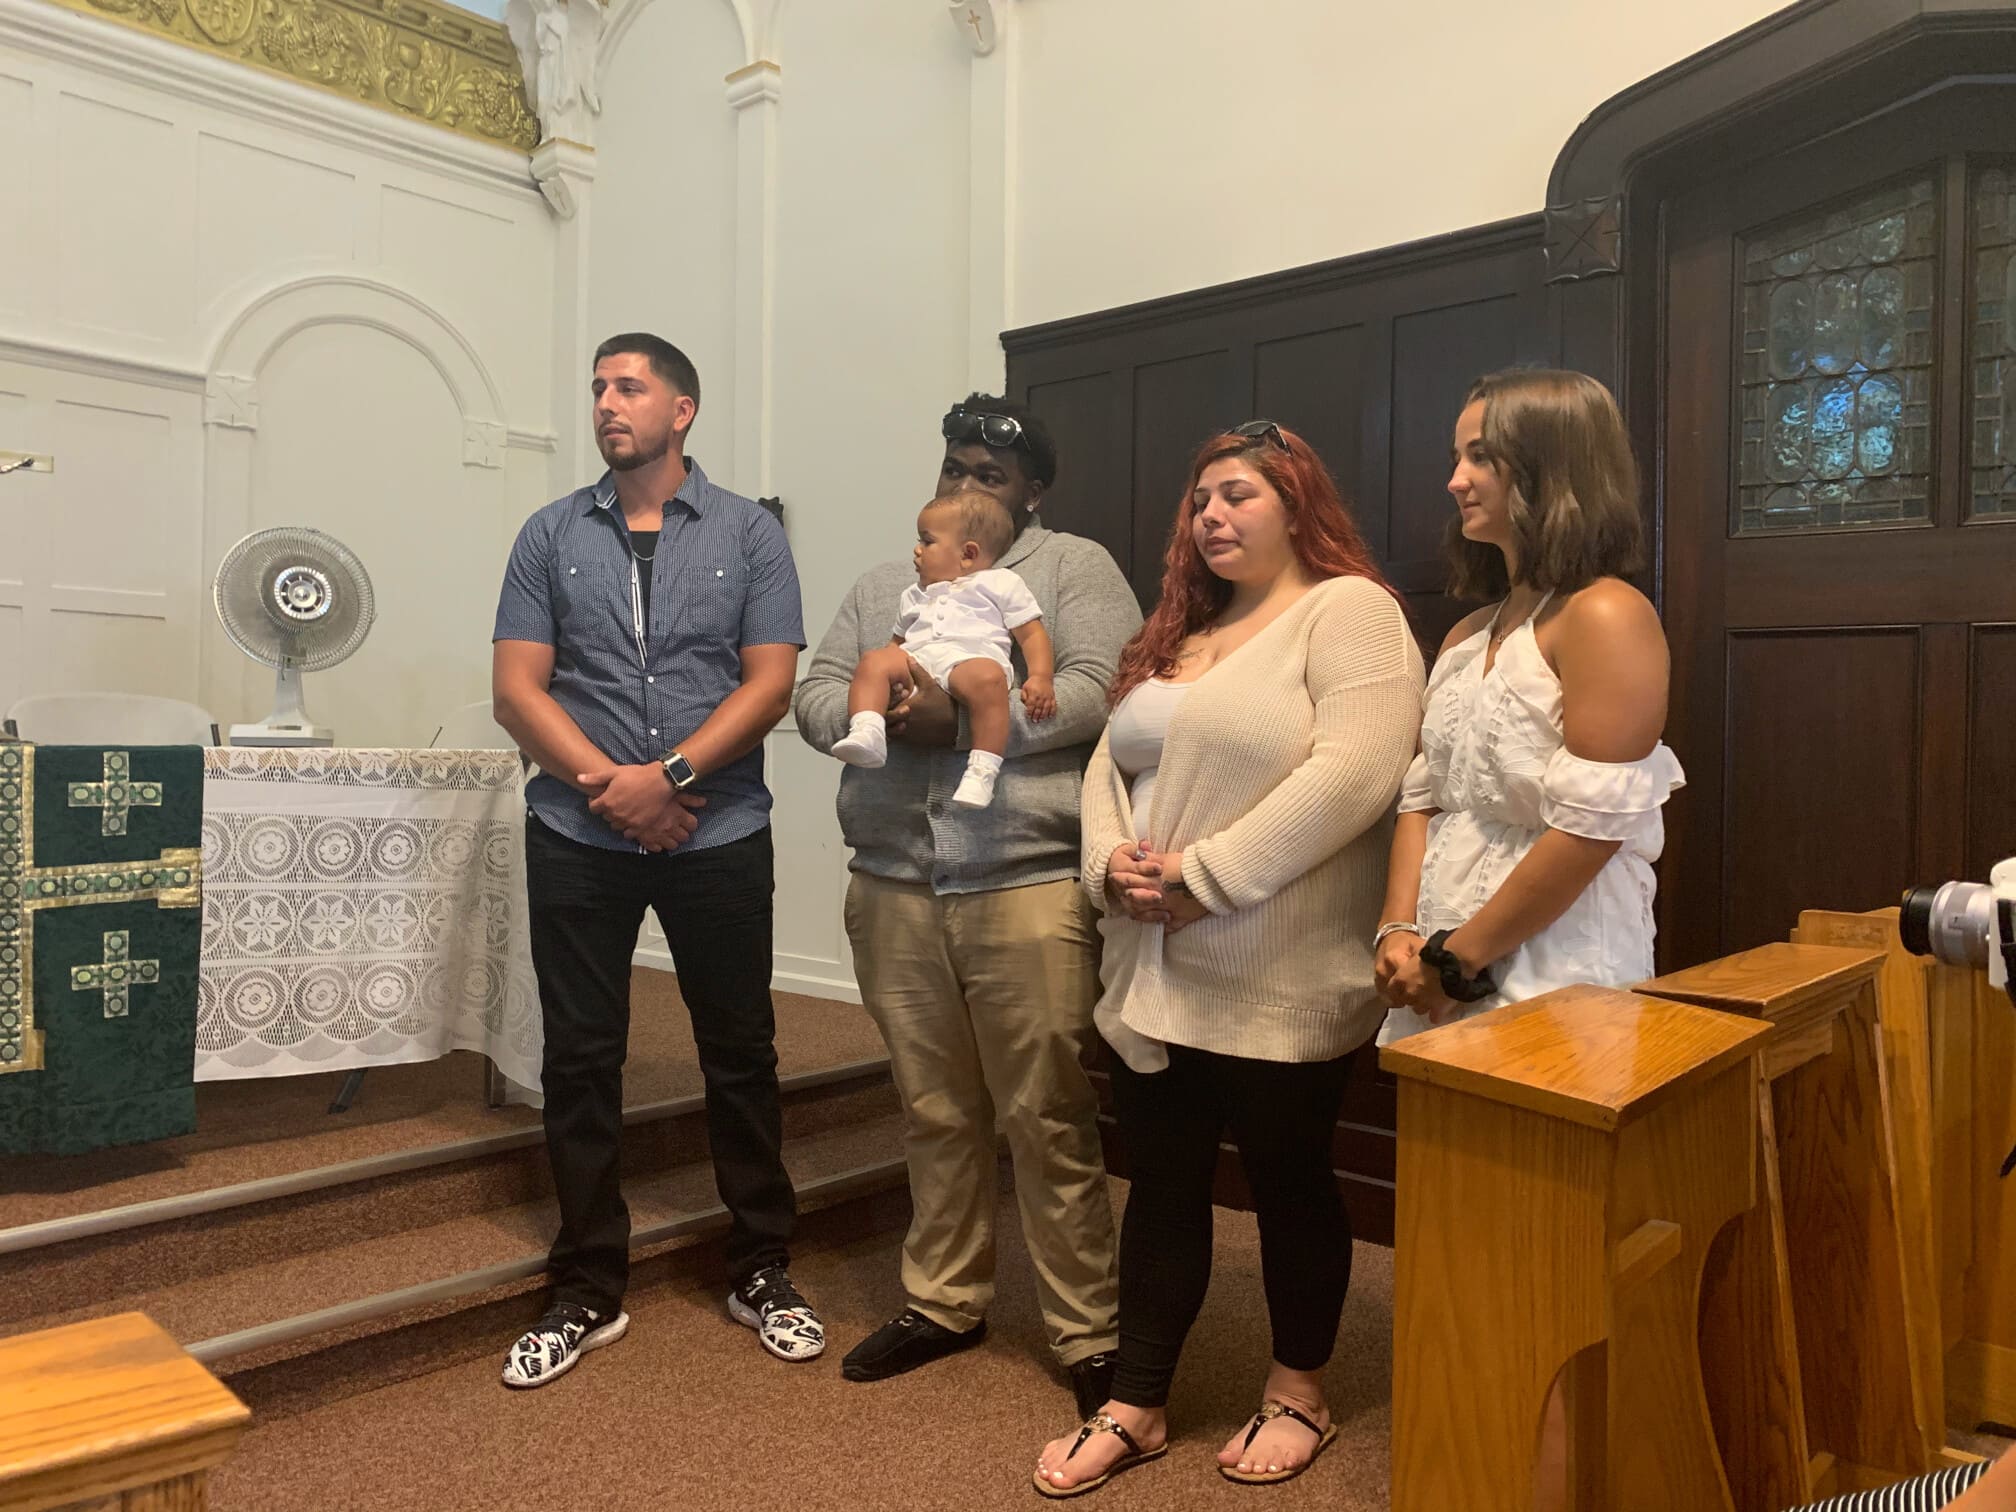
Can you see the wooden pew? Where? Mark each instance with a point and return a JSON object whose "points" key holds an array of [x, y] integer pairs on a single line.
{"points": [[1819, 1313], [1902, 987], [1950, 1049], [1564, 1166], [1981, 1365], [110, 1416]]}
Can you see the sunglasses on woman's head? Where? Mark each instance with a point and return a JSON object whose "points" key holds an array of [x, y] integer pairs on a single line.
{"points": [[1261, 430], [998, 431]]}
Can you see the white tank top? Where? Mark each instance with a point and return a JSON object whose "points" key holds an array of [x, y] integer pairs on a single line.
{"points": [[1140, 725]]}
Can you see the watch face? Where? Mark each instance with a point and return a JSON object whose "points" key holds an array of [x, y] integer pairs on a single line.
{"points": [[679, 769]]}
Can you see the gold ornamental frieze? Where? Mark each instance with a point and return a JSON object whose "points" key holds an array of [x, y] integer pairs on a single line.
{"points": [[420, 58]]}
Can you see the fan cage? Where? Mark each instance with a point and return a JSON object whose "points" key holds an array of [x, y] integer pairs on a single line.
{"points": [[243, 595]]}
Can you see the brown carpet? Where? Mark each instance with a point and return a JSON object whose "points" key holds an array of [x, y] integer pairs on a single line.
{"points": [[687, 1412], [247, 1130], [265, 1287]]}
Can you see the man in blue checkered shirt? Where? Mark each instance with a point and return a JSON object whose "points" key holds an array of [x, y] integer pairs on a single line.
{"points": [[646, 641]]}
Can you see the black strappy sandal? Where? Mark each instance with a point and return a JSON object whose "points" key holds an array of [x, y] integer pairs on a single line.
{"points": [[1099, 1422], [1269, 1411]]}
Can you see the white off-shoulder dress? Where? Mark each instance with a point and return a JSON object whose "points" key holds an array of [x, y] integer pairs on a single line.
{"points": [[1495, 765]]}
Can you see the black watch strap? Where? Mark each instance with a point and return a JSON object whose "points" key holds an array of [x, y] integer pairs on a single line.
{"points": [[1455, 985]]}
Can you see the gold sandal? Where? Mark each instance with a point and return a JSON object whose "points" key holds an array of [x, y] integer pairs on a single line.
{"points": [[1100, 1422], [1269, 1411]]}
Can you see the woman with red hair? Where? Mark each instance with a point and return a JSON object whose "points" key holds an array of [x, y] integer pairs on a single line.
{"points": [[1236, 818]]}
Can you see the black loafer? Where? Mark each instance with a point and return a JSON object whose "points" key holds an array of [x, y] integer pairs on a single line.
{"points": [[1092, 1382], [903, 1343]]}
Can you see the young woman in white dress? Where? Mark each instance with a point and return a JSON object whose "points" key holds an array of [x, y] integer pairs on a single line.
{"points": [[1522, 858]]}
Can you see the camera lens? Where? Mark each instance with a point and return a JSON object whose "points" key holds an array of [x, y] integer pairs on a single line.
{"points": [[1914, 923], [1953, 921]]}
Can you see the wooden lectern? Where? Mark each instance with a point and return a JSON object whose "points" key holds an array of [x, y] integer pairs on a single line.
{"points": [[1813, 1309], [110, 1416], [1564, 1166]]}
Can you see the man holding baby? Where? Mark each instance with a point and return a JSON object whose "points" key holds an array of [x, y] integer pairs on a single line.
{"points": [[976, 949]]}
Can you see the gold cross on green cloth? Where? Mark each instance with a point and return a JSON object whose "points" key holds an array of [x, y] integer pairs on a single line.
{"points": [[118, 794], [172, 879], [115, 974]]}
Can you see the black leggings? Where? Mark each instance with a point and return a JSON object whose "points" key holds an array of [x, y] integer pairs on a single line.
{"points": [[1283, 1118]]}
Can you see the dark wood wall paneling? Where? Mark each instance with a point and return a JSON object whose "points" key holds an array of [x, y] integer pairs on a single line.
{"points": [[1801, 721], [1368, 359], [1820, 750], [1832, 697], [1991, 802]]}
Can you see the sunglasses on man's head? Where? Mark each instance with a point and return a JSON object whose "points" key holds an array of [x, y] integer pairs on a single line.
{"points": [[998, 431], [1261, 430]]}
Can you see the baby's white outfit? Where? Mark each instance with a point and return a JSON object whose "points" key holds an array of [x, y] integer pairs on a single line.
{"points": [[941, 626], [948, 623]]}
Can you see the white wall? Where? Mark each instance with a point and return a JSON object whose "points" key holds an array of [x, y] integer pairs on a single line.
{"points": [[871, 347], [1170, 146], [872, 280], [662, 256], [866, 340], [228, 301], [856, 235]]}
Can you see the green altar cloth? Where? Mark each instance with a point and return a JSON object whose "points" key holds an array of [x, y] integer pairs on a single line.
{"points": [[100, 928]]}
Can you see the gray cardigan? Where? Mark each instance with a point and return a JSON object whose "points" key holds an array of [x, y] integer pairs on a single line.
{"points": [[899, 820]]}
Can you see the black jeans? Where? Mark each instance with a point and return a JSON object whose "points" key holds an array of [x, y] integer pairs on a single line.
{"points": [[1284, 1119], [587, 905]]}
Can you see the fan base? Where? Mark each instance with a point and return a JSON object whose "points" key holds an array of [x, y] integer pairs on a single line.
{"points": [[281, 735]]}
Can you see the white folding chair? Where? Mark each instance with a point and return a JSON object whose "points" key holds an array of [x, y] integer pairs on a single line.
{"points": [[110, 718], [473, 728]]}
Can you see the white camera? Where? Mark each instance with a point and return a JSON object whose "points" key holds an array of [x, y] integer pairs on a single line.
{"points": [[1967, 923]]}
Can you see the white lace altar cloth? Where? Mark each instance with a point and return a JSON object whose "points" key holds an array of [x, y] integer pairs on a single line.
{"points": [[363, 908]]}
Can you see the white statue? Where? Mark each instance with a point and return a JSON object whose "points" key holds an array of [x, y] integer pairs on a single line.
{"points": [[556, 42]]}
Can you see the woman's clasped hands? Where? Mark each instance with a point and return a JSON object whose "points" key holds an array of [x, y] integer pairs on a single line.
{"points": [[1403, 981], [1149, 886]]}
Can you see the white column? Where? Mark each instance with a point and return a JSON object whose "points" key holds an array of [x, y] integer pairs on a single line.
{"points": [[565, 172], [755, 93], [993, 133], [230, 431]]}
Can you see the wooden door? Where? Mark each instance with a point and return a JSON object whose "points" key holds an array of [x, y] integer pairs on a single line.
{"points": [[1838, 505]]}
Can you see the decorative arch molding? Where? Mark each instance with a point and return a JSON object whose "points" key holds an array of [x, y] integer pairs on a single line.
{"points": [[759, 22], [1786, 59], [249, 340], [1799, 73]]}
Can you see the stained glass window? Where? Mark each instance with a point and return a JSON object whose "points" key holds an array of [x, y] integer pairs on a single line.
{"points": [[1991, 254], [1835, 392]]}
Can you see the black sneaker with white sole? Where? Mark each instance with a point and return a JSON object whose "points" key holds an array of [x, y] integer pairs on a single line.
{"points": [[552, 1346], [784, 1323]]}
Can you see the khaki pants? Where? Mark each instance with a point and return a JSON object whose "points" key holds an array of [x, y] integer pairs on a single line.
{"points": [[985, 1001]]}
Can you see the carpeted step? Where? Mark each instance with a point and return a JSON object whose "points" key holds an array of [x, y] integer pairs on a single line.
{"points": [[258, 1304], [281, 1126], [198, 1267]]}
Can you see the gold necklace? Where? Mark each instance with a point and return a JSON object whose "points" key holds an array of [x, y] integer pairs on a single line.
{"points": [[1500, 629]]}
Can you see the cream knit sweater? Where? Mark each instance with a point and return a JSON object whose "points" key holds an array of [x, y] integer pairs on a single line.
{"points": [[1277, 783]]}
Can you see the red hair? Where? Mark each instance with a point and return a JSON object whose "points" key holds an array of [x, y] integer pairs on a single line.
{"points": [[1326, 542]]}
